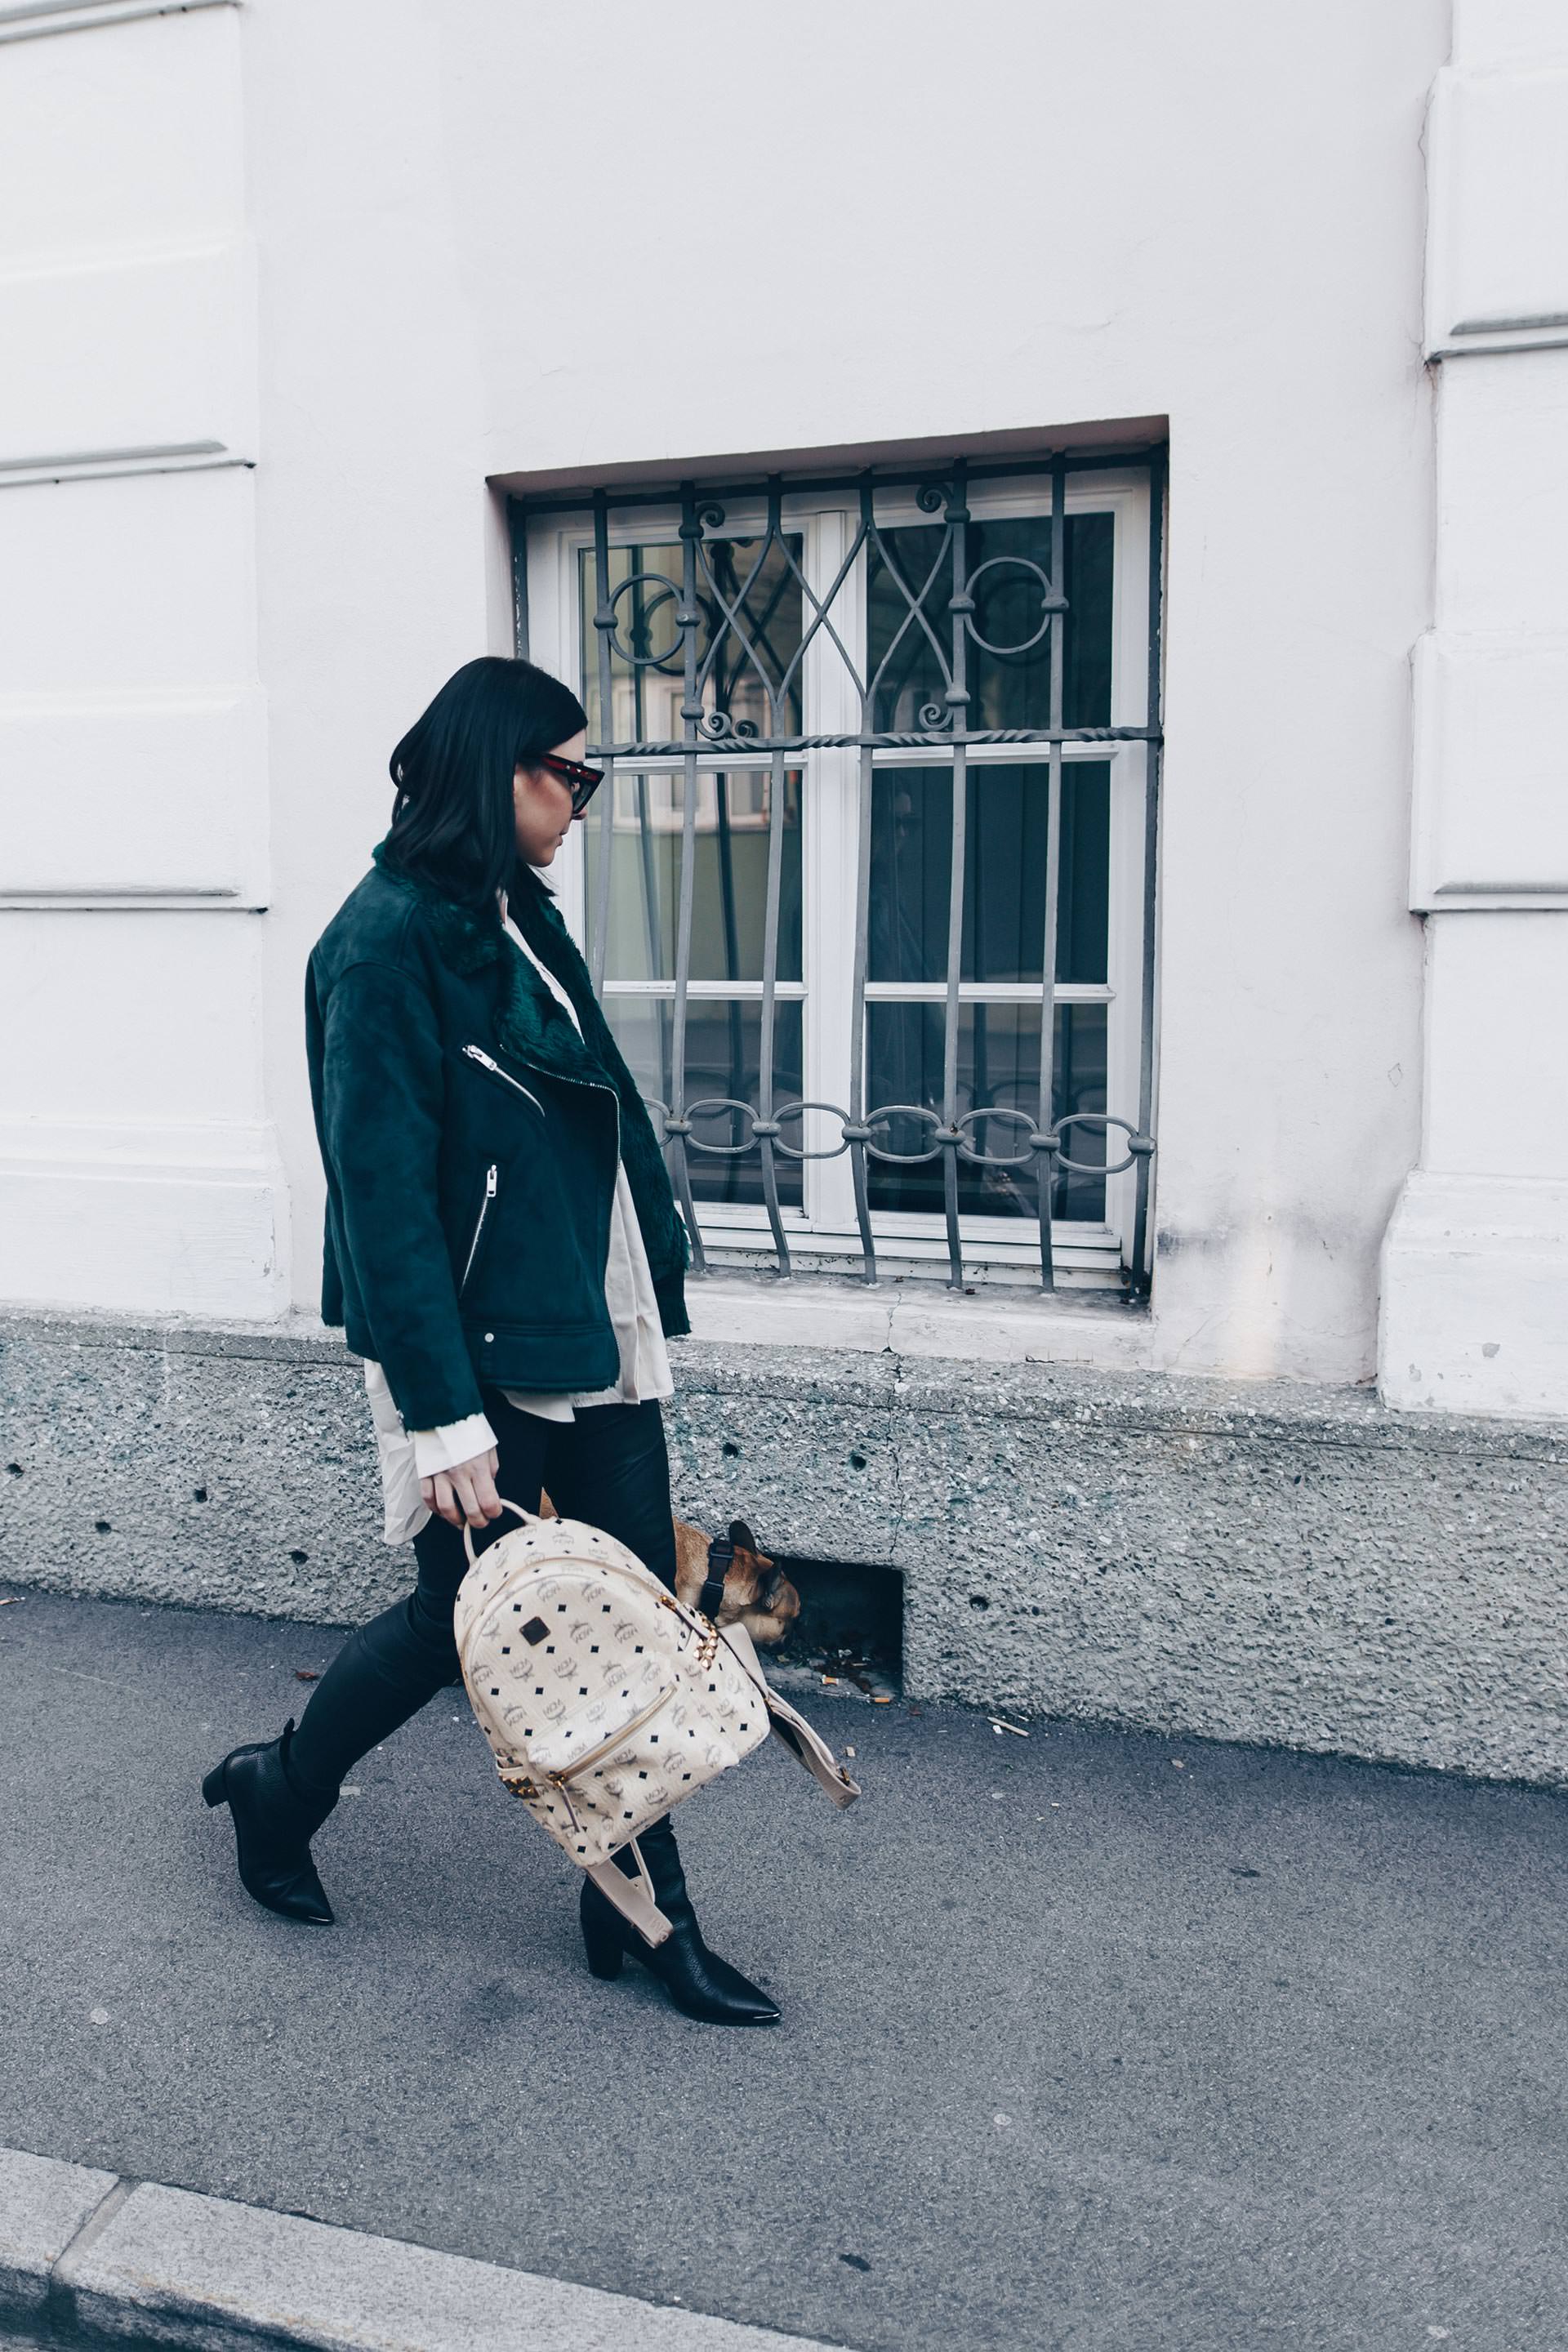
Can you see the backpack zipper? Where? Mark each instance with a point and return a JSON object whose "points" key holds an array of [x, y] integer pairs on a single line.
{"points": [[488, 1062], [558, 1780], [492, 1181], [593, 1755]]}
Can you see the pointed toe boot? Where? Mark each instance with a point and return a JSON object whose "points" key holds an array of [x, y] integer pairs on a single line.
{"points": [[274, 1820], [699, 1983]]}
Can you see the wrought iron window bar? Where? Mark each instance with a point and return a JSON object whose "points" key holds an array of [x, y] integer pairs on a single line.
{"points": [[707, 726]]}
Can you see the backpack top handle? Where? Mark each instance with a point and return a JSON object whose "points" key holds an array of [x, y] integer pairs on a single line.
{"points": [[529, 1519]]}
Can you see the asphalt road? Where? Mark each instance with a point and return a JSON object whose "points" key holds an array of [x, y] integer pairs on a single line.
{"points": [[1091, 2040]]}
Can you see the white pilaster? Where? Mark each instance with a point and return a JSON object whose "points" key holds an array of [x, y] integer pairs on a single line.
{"points": [[137, 1165], [1475, 1265]]}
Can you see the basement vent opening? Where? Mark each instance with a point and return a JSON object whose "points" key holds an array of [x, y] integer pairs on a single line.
{"points": [[851, 1624]]}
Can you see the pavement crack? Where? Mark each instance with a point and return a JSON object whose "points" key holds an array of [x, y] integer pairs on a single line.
{"points": [[97, 2221]]}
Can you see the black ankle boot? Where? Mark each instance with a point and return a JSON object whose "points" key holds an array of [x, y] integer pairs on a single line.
{"points": [[699, 1984], [274, 1821]]}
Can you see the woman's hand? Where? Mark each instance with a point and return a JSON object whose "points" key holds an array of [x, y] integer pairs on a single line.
{"points": [[466, 1492]]}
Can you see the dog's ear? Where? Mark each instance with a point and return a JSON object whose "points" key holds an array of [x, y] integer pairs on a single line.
{"points": [[740, 1536]]}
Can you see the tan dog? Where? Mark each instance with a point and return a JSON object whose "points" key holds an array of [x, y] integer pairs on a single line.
{"points": [[757, 1594]]}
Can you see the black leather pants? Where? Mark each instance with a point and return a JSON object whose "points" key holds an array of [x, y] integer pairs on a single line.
{"points": [[609, 1466]]}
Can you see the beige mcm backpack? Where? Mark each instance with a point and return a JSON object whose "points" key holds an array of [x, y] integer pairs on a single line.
{"points": [[607, 1702]]}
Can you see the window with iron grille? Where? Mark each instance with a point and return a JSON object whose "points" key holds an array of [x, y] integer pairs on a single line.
{"points": [[869, 890]]}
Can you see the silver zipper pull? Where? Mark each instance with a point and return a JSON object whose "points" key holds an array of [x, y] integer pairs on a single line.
{"points": [[492, 1179], [487, 1061]]}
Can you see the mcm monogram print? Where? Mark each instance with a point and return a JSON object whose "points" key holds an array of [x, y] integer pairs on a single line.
{"points": [[620, 1701], [624, 1705]]}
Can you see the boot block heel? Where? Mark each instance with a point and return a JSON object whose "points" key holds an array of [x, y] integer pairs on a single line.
{"points": [[213, 1788], [605, 1952]]}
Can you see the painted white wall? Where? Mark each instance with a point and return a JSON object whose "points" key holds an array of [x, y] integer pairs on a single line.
{"points": [[493, 241]]}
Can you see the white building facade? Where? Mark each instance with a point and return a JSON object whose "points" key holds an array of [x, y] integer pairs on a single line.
{"points": [[1056, 515]]}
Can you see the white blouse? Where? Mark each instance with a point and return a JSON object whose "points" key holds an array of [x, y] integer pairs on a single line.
{"points": [[408, 1456]]}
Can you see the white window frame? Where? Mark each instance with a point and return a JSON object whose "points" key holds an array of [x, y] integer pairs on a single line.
{"points": [[824, 1230]]}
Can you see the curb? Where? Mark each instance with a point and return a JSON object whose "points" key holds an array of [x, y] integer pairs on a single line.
{"points": [[90, 2260]]}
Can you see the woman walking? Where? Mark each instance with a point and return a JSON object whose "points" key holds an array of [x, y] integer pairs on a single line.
{"points": [[502, 1248]]}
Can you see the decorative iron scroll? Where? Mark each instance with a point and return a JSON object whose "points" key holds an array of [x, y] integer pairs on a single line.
{"points": [[718, 641]]}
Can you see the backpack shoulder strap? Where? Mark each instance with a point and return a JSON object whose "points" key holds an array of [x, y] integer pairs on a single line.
{"points": [[791, 1728], [632, 1897]]}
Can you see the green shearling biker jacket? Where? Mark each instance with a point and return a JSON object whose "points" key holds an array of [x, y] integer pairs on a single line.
{"points": [[470, 1139]]}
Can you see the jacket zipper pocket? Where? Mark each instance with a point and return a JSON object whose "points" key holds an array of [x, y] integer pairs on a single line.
{"points": [[492, 1181], [488, 1062], [595, 1085]]}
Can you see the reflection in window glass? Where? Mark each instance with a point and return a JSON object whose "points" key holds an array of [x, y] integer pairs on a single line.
{"points": [[747, 677], [1004, 871], [998, 1068], [723, 1057], [729, 906], [1004, 689]]}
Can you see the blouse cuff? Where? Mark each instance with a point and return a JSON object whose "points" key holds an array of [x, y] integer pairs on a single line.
{"points": [[454, 1442]]}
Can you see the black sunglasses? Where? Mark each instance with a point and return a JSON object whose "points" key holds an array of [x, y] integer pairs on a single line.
{"points": [[585, 781]]}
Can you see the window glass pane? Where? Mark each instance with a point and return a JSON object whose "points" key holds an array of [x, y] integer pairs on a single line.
{"points": [[723, 1054], [998, 1068], [754, 650], [912, 858], [1079, 1085], [1004, 689], [1083, 907], [730, 881], [1005, 872]]}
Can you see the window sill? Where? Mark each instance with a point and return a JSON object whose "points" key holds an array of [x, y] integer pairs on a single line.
{"points": [[916, 1319], [910, 1256]]}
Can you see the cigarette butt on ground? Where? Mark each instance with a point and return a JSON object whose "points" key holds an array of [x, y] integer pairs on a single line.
{"points": [[1000, 1723]]}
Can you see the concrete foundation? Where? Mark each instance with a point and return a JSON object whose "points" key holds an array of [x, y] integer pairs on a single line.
{"points": [[1261, 1562]]}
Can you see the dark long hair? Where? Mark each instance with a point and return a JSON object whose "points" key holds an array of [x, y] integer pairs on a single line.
{"points": [[452, 821]]}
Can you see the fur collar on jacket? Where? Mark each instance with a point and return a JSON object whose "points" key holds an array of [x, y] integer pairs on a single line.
{"points": [[529, 1023]]}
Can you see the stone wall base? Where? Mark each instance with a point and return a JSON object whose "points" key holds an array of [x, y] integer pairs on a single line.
{"points": [[1229, 1560]]}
